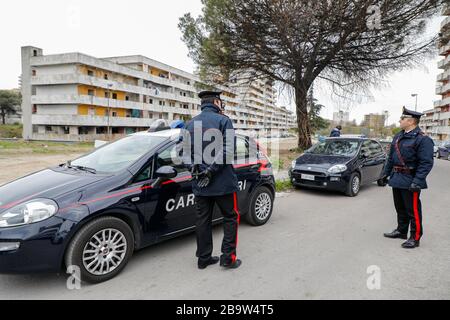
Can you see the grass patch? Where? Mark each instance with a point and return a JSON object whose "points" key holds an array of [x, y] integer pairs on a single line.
{"points": [[11, 130], [283, 185], [38, 147]]}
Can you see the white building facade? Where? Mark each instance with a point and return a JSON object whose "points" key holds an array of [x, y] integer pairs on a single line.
{"points": [[77, 97], [437, 121]]}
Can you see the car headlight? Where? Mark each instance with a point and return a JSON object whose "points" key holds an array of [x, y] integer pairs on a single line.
{"points": [[294, 163], [28, 212], [338, 168]]}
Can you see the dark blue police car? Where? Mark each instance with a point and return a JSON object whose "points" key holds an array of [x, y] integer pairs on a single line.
{"points": [[443, 151], [340, 164], [95, 211]]}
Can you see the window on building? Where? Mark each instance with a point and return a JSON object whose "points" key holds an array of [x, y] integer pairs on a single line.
{"points": [[48, 129], [91, 92], [106, 94], [151, 101], [105, 76], [33, 72], [127, 98], [114, 114], [66, 130], [83, 130], [35, 53], [114, 96], [34, 109], [100, 130], [90, 73], [116, 130]]}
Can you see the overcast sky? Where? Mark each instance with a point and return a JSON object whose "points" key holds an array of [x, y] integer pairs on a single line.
{"points": [[104, 28]]}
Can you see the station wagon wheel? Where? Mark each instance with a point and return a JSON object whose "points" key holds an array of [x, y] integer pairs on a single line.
{"points": [[354, 185], [261, 207], [101, 249]]}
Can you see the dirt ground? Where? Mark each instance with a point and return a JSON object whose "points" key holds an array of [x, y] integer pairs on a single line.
{"points": [[14, 166]]}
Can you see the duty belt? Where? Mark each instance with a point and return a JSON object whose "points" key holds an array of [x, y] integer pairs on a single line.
{"points": [[404, 170]]}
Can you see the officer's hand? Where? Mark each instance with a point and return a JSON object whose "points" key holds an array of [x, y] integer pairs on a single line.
{"points": [[415, 188], [204, 178]]}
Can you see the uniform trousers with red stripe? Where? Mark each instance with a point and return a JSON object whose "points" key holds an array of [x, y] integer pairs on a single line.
{"points": [[231, 219], [409, 212]]}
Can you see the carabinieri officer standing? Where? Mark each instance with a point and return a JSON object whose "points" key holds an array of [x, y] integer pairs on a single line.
{"points": [[215, 182], [410, 161]]}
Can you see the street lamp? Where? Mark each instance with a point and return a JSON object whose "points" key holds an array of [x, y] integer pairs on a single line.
{"points": [[415, 95]]}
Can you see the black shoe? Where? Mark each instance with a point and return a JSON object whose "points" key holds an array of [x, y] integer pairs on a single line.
{"points": [[411, 244], [203, 265], [233, 265], [396, 235]]}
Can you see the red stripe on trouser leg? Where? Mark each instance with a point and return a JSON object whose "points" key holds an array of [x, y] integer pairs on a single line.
{"points": [[236, 209], [416, 215]]}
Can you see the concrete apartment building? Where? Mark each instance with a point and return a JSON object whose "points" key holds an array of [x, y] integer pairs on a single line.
{"points": [[77, 97], [436, 123], [374, 121], [257, 106]]}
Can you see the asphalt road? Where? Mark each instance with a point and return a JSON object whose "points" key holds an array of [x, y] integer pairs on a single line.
{"points": [[317, 246]]}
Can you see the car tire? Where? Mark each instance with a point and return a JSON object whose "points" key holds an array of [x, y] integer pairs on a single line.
{"points": [[354, 185], [382, 183], [261, 207], [83, 254]]}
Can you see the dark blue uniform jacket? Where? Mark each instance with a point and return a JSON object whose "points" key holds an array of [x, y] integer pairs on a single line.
{"points": [[224, 179], [416, 150], [335, 133]]}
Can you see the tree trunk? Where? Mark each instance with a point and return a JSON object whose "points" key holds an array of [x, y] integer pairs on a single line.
{"points": [[3, 114], [304, 127]]}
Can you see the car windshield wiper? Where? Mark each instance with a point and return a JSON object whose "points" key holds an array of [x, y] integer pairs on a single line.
{"points": [[87, 169]]}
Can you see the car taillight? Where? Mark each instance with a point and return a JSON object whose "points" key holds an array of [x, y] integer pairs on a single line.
{"points": [[265, 165]]}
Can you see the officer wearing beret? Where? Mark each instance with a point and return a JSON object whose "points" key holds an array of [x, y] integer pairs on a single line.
{"points": [[410, 161], [214, 182]]}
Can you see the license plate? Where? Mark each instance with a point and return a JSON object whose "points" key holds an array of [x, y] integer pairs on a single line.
{"points": [[308, 177]]}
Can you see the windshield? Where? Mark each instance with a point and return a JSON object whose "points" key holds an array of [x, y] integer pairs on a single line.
{"points": [[347, 148], [118, 155]]}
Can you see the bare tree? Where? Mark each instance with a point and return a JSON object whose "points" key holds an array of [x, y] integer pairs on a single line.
{"points": [[350, 43]]}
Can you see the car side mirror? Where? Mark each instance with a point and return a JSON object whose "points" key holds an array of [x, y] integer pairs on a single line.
{"points": [[166, 173], [163, 174]]}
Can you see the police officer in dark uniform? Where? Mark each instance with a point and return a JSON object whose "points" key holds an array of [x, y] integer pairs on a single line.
{"points": [[410, 161], [215, 182], [336, 132]]}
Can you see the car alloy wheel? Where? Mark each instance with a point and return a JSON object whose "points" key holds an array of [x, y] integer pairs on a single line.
{"points": [[104, 252], [356, 184], [263, 206], [101, 249]]}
